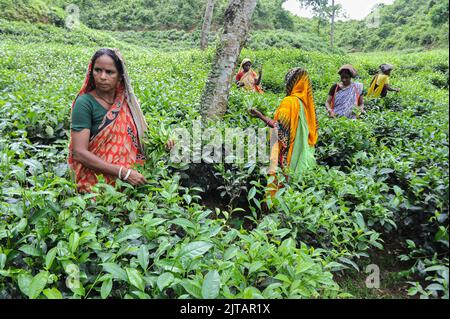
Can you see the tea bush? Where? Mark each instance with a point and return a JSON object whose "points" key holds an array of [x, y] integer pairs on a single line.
{"points": [[384, 176]]}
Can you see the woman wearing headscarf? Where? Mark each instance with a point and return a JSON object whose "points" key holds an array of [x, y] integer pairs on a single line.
{"points": [[107, 125], [295, 126], [380, 82], [344, 96], [248, 78]]}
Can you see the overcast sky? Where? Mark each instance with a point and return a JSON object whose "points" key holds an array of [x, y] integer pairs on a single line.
{"points": [[354, 9]]}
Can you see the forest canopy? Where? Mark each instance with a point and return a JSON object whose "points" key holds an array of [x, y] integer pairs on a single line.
{"points": [[404, 24]]}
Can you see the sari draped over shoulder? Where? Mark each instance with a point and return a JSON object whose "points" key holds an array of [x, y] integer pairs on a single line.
{"points": [[248, 78], [119, 139], [378, 85], [345, 99], [296, 129]]}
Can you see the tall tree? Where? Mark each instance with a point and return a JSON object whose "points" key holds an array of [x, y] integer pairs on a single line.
{"points": [[325, 9], [207, 23], [236, 26], [332, 17]]}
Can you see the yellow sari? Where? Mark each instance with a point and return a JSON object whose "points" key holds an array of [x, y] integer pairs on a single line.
{"points": [[297, 134], [377, 85]]}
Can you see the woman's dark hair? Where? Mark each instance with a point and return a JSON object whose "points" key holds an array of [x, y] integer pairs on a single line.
{"points": [[346, 72], [112, 55]]}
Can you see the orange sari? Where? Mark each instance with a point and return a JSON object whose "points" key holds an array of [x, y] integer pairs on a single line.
{"points": [[288, 119], [117, 141]]}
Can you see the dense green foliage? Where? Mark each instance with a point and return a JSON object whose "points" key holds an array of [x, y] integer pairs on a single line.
{"points": [[382, 180], [404, 24], [142, 14], [172, 40], [33, 11]]}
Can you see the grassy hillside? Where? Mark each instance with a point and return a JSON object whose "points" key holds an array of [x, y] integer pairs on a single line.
{"points": [[171, 40], [413, 24], [405, 24], [142, 15], [33, 11]]}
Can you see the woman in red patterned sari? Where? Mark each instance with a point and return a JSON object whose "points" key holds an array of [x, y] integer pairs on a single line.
{"points": [[107, 125]]}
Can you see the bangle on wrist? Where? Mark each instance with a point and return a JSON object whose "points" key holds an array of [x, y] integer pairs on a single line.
{"points": [[128, 174], [120, 172]]}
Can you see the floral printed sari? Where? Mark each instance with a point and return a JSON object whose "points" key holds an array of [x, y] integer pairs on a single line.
{"points": [[295, 125], [345, 99], [118, 139]]}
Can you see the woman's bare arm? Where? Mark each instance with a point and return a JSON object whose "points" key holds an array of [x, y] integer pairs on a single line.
{"points": [[258, 81], [328, 106], [255, 113], [361, 103], [390, 88]]}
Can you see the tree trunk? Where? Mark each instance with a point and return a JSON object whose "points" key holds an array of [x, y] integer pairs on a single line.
{"points": [[237, 22], [207, 23], [333, 16]]}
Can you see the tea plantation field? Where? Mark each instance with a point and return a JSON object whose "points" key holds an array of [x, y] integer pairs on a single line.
{"points": [[379, 195]]}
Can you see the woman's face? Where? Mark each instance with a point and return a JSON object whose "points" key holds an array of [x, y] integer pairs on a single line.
{"points": [[106, 75], [247, 66], [346, 78]]}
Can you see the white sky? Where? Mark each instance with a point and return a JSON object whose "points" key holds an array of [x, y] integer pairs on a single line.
{"points": [[354, 9]]}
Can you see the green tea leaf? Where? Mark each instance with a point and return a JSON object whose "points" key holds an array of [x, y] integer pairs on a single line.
{"points": [[30, 250], [211, 285], [251, 193], [52, 293], [74, 240], [105, 290], [50, 257], [135, 278], [24, 281], [2, 261], [193, 288], [195, 249], [143, 257], [37, 284], [115, 270], [164, 280]]}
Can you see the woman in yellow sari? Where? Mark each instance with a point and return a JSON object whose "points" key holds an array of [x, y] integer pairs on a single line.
{"points": [[295, 125], [248, 78], [380, 82]]}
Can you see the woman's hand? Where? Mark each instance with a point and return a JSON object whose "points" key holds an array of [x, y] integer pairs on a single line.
{"points": [[136, 178], [331, 113], [169, 145], [258, 80], [255, 113], [240, 84]]}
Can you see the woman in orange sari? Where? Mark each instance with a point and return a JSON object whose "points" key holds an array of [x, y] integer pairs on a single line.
{"points": [[295, 127], [107, 125]]}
